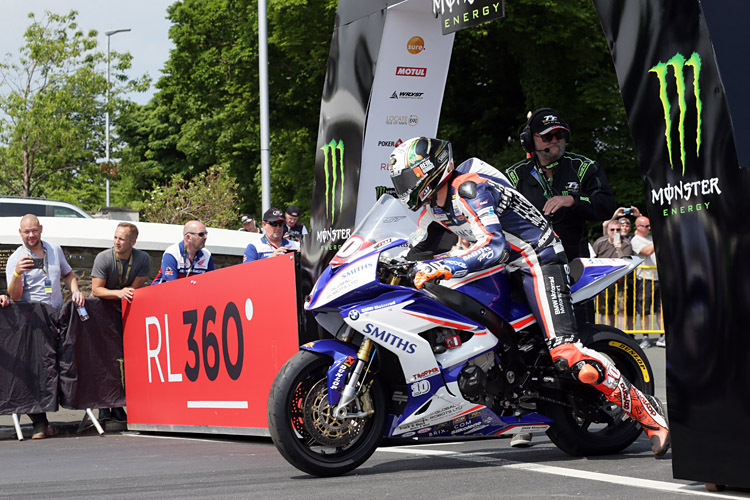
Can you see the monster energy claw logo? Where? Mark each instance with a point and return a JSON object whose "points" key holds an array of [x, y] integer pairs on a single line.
{"points": [[678, 63], [333, 168]]}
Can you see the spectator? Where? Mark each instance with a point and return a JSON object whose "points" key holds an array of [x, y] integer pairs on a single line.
{"points": [[567, 188], [187, 257], [619, 215], [648, 293], [293, 231], [116, 274], [33, 274], [272, 243], [4, 300], [611, 246], [248, 224]]}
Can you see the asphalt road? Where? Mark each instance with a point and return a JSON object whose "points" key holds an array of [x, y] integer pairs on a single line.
{"points": [[140, 465]]}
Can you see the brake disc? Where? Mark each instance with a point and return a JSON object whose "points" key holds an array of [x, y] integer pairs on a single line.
{"points": [[322, 425]]}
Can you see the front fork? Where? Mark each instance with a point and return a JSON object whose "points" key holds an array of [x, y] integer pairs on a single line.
{"points": [[364, 358]]}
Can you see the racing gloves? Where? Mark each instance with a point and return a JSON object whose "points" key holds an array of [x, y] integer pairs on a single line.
{"points": [[431, 271]]}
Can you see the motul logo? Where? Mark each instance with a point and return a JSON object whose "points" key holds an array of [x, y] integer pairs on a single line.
{"points": [[406, 71]]}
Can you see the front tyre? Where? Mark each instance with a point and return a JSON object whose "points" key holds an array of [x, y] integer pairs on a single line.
{"points": [[593, 425], [302, 426]]}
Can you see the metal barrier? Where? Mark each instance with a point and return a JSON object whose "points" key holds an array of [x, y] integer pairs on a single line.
{"points": [[633, 304]]}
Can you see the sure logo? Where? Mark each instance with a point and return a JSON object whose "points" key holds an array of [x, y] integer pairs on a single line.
{"points": [[678, 63], [415, 45]]}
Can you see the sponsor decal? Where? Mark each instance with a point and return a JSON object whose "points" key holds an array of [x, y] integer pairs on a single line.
{"points": [[425, 373], [661, 70], [407, 95], [341, 372], [381, 190], [415, 45], [378, 306], [456, 15], [411, 71], [636, 357], [387, 337], [424, 431], [354, 315], [419, 388], [390, 144], [413, 120]]}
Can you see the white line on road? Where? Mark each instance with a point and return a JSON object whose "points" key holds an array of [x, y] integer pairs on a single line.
{"points": [[486, 458]]}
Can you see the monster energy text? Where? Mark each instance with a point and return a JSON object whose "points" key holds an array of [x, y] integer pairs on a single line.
{"points": [[678, 63]]}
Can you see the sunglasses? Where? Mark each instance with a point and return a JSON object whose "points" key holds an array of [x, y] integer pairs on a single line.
{"points": [[614, 230], [202, 234], [278, 223], [555, 134], [644, 225], [624, 223]]}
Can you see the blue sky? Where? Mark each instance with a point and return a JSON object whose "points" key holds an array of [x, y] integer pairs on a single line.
{"points": [[148, 41]]}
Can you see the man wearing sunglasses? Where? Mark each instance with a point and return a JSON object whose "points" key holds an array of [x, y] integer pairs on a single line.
{"points": [[567, 188], [273, 242], [187, 257]]}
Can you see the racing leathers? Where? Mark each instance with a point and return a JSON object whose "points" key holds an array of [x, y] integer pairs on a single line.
{"points": [[504, 227], [573, 175]]}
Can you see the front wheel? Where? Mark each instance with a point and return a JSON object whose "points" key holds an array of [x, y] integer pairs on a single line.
{"points": [[593, 425], [302, 425]]}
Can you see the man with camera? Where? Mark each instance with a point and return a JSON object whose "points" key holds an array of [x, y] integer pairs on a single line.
{"points": [[33, 274]]}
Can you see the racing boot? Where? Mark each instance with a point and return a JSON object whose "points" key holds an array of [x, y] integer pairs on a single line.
{"points": [[591, 368]]}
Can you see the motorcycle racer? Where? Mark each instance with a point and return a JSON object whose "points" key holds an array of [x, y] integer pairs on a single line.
{"points": [[478, 203]]}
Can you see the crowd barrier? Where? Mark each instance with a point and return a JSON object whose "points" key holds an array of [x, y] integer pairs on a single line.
{"points": [[632, 304], [50, 358]]}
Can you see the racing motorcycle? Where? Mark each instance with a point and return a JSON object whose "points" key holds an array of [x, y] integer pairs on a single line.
{"points": [[461, 358]]}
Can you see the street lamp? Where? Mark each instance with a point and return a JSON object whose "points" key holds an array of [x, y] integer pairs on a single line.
{"points": [[107, 159]]}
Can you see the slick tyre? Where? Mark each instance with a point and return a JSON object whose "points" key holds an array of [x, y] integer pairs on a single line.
{"points": [[302, 426], [596, 426]]}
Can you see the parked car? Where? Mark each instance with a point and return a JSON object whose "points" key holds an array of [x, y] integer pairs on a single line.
{"points": [[16, 206]]}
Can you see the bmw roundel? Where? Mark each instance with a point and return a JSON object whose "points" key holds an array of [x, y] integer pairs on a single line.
{"points": [[354, 315]]}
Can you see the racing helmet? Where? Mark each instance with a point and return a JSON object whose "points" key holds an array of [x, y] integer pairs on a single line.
{"points": [[418, 167]]}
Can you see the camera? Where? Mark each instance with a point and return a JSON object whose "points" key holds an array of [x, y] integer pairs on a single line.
{"points": [[37, 263], [627, 211]]}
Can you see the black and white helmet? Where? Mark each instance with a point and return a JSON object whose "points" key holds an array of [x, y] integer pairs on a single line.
{"points": [[418, 168]]}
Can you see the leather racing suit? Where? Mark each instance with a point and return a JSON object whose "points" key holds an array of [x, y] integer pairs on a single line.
{"points": [[503, 226]]}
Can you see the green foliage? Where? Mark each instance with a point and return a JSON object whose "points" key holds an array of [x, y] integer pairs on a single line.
{"points": [[210, 197], [207, 107], [52, 110]]}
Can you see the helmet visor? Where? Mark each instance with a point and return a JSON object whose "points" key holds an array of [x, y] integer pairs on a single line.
{"points": [[405, 181]]}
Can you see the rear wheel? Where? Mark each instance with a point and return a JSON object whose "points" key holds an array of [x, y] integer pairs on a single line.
{"points": [[302, 425], [592, 425]]}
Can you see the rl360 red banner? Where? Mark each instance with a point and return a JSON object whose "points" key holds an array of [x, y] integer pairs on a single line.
{"points": [[204, 351]]}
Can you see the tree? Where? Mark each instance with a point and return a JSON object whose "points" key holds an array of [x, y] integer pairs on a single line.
{"points": [[210, 197], [52, 111], [207, 108]]}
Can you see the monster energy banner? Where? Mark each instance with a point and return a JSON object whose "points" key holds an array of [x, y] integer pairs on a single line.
{"points": [[456, 15], [402, 101], [48, 356], [680, 100]]}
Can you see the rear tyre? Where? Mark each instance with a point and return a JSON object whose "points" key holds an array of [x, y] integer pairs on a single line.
{"points": [[302, 426], [595, 426]]}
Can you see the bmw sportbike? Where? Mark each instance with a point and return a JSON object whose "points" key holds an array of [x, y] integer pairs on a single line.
{"points": [[458, 359]]}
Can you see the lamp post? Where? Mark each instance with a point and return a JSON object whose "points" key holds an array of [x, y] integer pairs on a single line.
{"points": [[107, 159]]}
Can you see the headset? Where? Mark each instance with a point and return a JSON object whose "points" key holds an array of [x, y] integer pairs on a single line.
{"points": [[527, 137]]}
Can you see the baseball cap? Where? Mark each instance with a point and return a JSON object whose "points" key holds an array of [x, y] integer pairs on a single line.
{"points": [[544, 123], [293, 210], [273, 215], [246, 218]]}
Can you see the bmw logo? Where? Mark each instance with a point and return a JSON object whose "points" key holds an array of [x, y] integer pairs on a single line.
{"points": [[354, 315]]}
